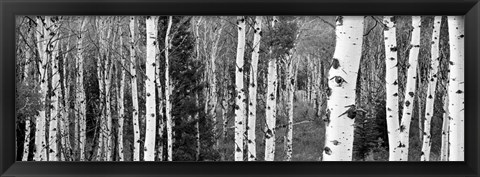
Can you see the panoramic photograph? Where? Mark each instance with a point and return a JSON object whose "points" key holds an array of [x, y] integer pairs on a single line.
{"points": [[239, 88]]}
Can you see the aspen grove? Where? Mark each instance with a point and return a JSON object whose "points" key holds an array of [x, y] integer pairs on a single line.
{"points": [[240, 88]]}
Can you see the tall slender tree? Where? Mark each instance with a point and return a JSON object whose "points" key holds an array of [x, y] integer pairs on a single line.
{"points": [[42, 42], [168, 91], [240, 99], [150, 132], [252, 116], [410, 89], [133, 72], [456, 91], [391, 80], [432, 84], [342, 83], [121, 97], [271, 107], [80, 93]]}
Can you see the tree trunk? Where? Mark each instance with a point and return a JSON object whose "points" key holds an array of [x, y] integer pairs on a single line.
{"points": [[133, 79], [291, 82], [445, 131], [432, 84], [342, 82], [271, 111], [42, 42], [80, 93], [101, 67], [108, 91], [456, 92], [240, 100], [168, 92], [150, 132], [252, 116], [391, 81], [55, 92], [409, 89], [121, 97]]}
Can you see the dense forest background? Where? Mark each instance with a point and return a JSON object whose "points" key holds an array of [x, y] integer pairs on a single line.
{"points": [[98, 57]]}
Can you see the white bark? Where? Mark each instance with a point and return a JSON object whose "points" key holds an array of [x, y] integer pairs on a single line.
{"points": [[150, 132], [445, 131], [240, 100], [432, 84], [409, 89], [391, 80], [80, 93], [456, 92], [121, 97], [26, 143], [133, 72], [252, 116], [42, 42], [271, 112], [342, 82], [168, 92], [55, 93], [108, 83], [291, 91], [271, 106]]}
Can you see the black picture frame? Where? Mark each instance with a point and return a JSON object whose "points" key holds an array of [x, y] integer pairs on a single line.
{"points": [[10, 8]]}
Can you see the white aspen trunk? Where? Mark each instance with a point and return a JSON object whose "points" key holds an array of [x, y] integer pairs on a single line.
{"points": [[271, 107], [342, 82], [271, 112], [432, 84], [225, 104], [291, 91], [240, 100], [133, 79], [42, 42], [168, 92], [456, 92], [108, 91], [101, 87], [252, 116], [121, 97], [445, 131], [150, 132], [391, 80], [80, 93], [55, 93], [409, 89], [26, 142]]}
